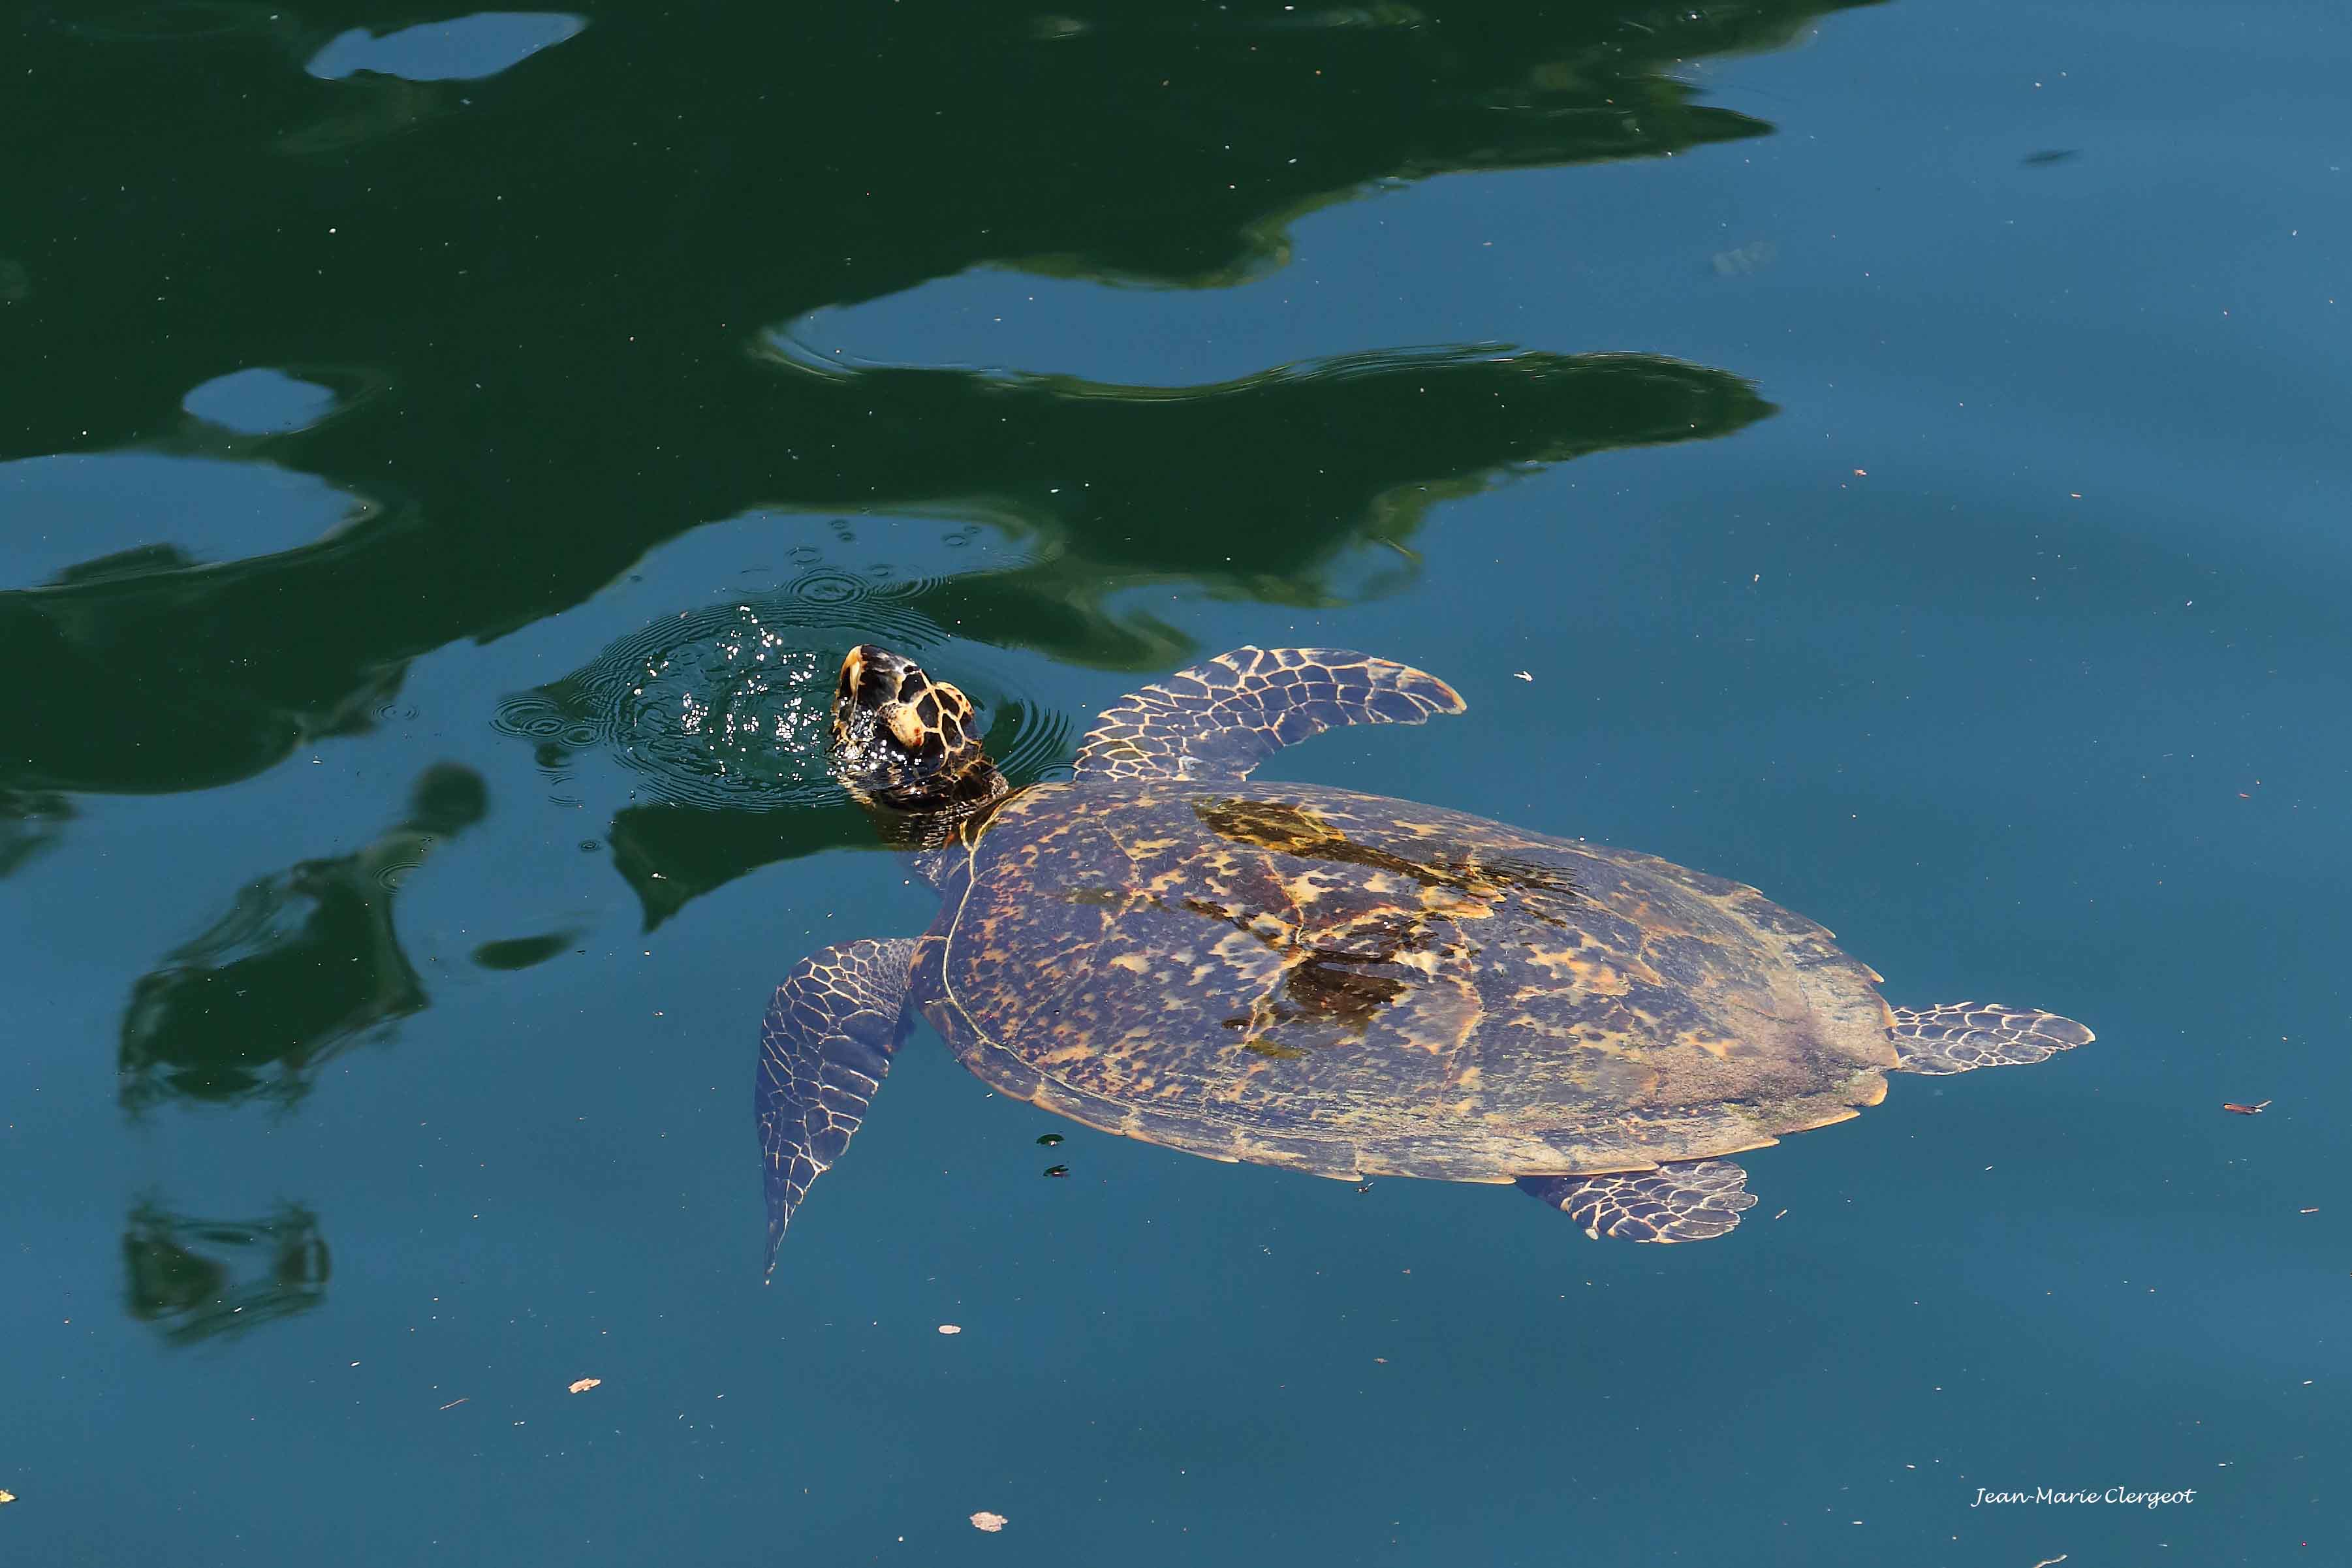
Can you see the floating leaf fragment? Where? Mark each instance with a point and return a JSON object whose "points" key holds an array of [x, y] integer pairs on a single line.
{"points": [[1049, 1140], [585, 1384], [2253, 1110], [1057, 1170], [990, 1522]]}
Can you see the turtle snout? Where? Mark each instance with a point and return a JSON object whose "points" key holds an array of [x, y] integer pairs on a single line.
{"points": [[872, 675]]}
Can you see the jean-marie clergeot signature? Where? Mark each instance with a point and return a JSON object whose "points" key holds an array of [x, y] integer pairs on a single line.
{"points": [[2113, 1494]]}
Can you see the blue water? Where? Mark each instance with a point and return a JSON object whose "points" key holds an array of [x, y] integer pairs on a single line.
{"points": [[1962, 564]]}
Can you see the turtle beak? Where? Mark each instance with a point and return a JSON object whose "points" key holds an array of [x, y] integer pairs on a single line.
{"points": [[893, 726]]}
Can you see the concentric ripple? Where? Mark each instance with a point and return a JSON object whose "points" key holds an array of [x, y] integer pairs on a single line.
{"points": [[729, 706]]}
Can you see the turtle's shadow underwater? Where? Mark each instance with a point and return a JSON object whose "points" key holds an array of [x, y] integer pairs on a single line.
{"points": [[1332, 982]]}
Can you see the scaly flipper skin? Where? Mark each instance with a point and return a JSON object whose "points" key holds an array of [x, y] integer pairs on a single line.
{"points": [[1969, 1034], [1220, 720], [824, 1049], [1693, 1202]]}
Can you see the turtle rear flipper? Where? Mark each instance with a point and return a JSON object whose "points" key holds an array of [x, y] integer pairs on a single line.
{"points": [[824, 1049], [1695, 1201], [1220, 720], [1969, 1035]]}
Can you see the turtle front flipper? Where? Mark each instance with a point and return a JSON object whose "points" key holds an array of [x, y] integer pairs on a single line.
{"points": [[1695, 1201], [1970, 1035], [824, 1049], [1220, 720]]}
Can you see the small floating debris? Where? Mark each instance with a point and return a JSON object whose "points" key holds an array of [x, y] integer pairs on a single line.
{"points": [[1057, 1170], [1363, 1187], [585, 1384], [2306, 1211], [1522, 675], [1049, 1140], [455, 1403], [2253, 1110], [7, 1498], [990, 1522], [950, 1328]]}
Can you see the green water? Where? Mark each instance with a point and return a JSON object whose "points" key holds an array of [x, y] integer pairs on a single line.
{"points": [[1891, 456]]}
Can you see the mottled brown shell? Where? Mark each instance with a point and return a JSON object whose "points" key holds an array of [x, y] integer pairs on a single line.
{"points": [[1351, 986]]}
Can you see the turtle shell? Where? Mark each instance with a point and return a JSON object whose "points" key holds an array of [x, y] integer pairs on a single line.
{"points": [[1353, 986]]}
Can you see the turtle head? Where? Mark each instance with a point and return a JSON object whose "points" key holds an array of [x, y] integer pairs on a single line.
{"points": [[906, 741]]}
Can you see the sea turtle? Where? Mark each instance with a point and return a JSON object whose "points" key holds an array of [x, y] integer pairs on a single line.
{"points": [[1326, 980]]}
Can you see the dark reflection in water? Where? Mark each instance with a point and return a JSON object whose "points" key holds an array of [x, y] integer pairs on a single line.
{"points": [[936, 137], [523, 952], [1117, 486], [1252, 488], [303, 962], [672, 855], [30, 824], [202, 1278], [700, 186]]}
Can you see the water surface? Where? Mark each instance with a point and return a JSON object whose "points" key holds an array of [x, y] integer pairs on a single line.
{"points": [[1889, 456]]}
